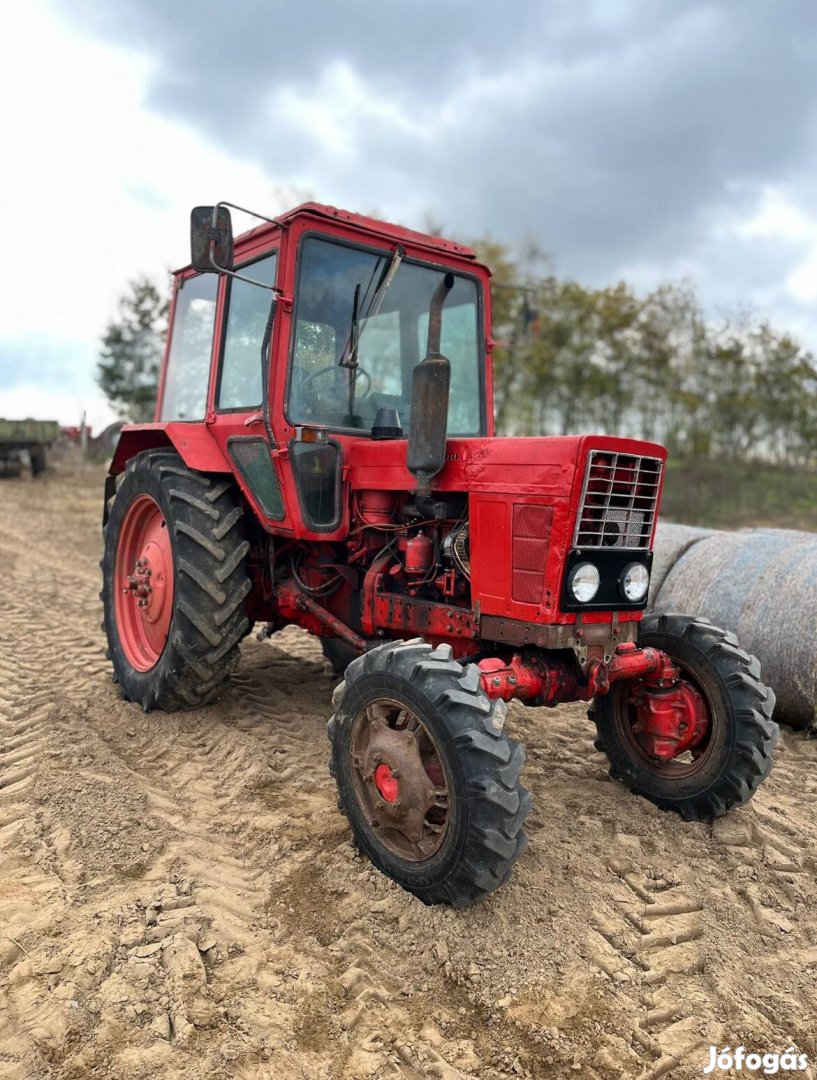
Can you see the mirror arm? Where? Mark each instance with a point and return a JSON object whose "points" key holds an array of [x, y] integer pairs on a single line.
{"points": [[214, 239]]}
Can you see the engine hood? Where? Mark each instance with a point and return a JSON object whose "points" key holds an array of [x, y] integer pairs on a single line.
{"points": [[530, 466]]}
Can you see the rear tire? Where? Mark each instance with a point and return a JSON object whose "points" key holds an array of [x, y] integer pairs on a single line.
{"points": [[206, 559], [743, 734], [472, 833]]}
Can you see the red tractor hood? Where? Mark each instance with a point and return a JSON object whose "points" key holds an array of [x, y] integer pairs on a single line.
{"points": [[536, 466]]}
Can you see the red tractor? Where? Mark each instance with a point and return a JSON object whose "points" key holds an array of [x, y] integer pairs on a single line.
{"points": [[324, 454]]}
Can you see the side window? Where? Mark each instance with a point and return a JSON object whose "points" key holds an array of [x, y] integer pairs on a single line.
{"points": [[247, 313], [317, 477], [191, 345], [252, 456]]}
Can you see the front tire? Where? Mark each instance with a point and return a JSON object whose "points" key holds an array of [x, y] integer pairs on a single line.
{"points": [[426, 774], [174, 582], [736, 756]]}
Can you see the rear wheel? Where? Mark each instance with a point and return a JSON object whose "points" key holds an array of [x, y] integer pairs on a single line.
{"points": [[731, 754], [426, 774], [174, 582]]}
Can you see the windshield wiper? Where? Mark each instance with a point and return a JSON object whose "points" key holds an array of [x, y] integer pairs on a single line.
{"points": [[349, 358]]}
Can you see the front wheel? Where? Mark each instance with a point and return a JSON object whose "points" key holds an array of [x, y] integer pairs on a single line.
{"points": [[732, 752], [426, 774]]}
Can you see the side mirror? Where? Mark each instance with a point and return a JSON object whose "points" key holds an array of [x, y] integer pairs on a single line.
{"points": [[211, 238]]}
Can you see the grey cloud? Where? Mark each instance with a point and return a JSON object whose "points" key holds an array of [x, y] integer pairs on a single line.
{"points": [[619, 133]]}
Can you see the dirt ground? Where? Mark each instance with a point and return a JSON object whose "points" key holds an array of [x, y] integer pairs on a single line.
{"points": [[179, 896]]}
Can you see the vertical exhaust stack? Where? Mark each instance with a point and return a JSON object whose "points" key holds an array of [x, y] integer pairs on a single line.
{"points": [[430, 385]]}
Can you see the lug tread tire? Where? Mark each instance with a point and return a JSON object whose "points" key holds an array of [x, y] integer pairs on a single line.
{"points": [[490, 763], [210, 582], [755, 732]]}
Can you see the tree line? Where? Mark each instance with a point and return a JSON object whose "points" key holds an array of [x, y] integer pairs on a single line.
{"points": [[571, 358]]}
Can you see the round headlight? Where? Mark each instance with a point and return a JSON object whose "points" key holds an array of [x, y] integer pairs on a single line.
{"points": [[584, 582], [634, 582]]}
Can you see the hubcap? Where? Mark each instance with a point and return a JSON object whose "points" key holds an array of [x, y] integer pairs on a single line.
{"points": [[399, 780], [143, 583]]}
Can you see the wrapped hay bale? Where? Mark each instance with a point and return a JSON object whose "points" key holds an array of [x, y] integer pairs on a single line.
{"points": [[760, 584], [671, 541]]}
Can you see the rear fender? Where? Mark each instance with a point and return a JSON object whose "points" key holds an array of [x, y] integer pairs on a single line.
{"points": [[193, 442]]}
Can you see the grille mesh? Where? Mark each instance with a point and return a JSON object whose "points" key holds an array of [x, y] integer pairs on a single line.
{"points": [[619, 501], [530, 539]]}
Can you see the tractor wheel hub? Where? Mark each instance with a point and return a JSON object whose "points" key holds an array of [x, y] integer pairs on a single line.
{"points": [[395, 769], [670, 721], [386, 783], [400, 780], [148, 582]]}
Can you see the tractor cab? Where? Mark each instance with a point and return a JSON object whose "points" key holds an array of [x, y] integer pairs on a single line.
{"points": [[305, 339]]}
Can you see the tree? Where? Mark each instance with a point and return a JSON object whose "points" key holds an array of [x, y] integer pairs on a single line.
{"points": [[128, 371], [570, 358]]}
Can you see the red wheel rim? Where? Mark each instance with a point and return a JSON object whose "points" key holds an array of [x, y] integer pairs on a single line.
{"points": [[143, 583]]}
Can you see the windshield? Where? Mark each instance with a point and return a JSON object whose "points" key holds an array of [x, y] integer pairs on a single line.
{"points": [[337, 296]]}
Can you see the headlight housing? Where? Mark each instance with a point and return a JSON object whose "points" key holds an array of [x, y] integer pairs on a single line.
{"points": [[584, 582], [634, 582]]}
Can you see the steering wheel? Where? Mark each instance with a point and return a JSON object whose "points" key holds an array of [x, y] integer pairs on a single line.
{"points": [[308, 392]]}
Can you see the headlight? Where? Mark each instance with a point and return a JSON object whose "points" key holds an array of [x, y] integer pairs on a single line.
{"points": [[584, 582], [634, 582]]}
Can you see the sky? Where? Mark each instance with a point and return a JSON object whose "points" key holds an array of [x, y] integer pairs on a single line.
{"points": [[648, 140]]}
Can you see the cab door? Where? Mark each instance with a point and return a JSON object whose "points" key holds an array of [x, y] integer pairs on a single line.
{"points": [[235, 416]]}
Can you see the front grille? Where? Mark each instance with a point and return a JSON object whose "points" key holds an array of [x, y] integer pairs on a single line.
{"points": [[619, 501], [531, 536]]}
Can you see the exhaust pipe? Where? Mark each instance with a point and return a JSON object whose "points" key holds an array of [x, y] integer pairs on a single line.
{"points": [[430, 386]]}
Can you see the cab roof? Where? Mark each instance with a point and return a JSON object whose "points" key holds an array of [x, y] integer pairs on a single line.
{"points": [[368, 225], [382, 228]]}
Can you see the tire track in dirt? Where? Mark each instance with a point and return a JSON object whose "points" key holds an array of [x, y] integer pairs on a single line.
{"points": [[660, 950], [184, 899]]}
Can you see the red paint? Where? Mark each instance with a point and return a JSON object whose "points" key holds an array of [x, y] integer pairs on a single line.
{"points": [[380, 573], [419, 554], [376, 507], [192, 441], [670, 721], [143, 593], [532, 679], [386, 783], [549, 680]]}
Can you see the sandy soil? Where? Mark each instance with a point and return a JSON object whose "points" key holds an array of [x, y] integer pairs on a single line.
{"points": [[179, 896]]}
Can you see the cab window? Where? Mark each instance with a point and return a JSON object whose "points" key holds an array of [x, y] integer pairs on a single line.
{"points": [[340, 296], [248, 309], [191, 346]]}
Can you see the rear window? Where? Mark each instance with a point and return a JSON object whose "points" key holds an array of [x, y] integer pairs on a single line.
{"points": [[191, 346]]}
